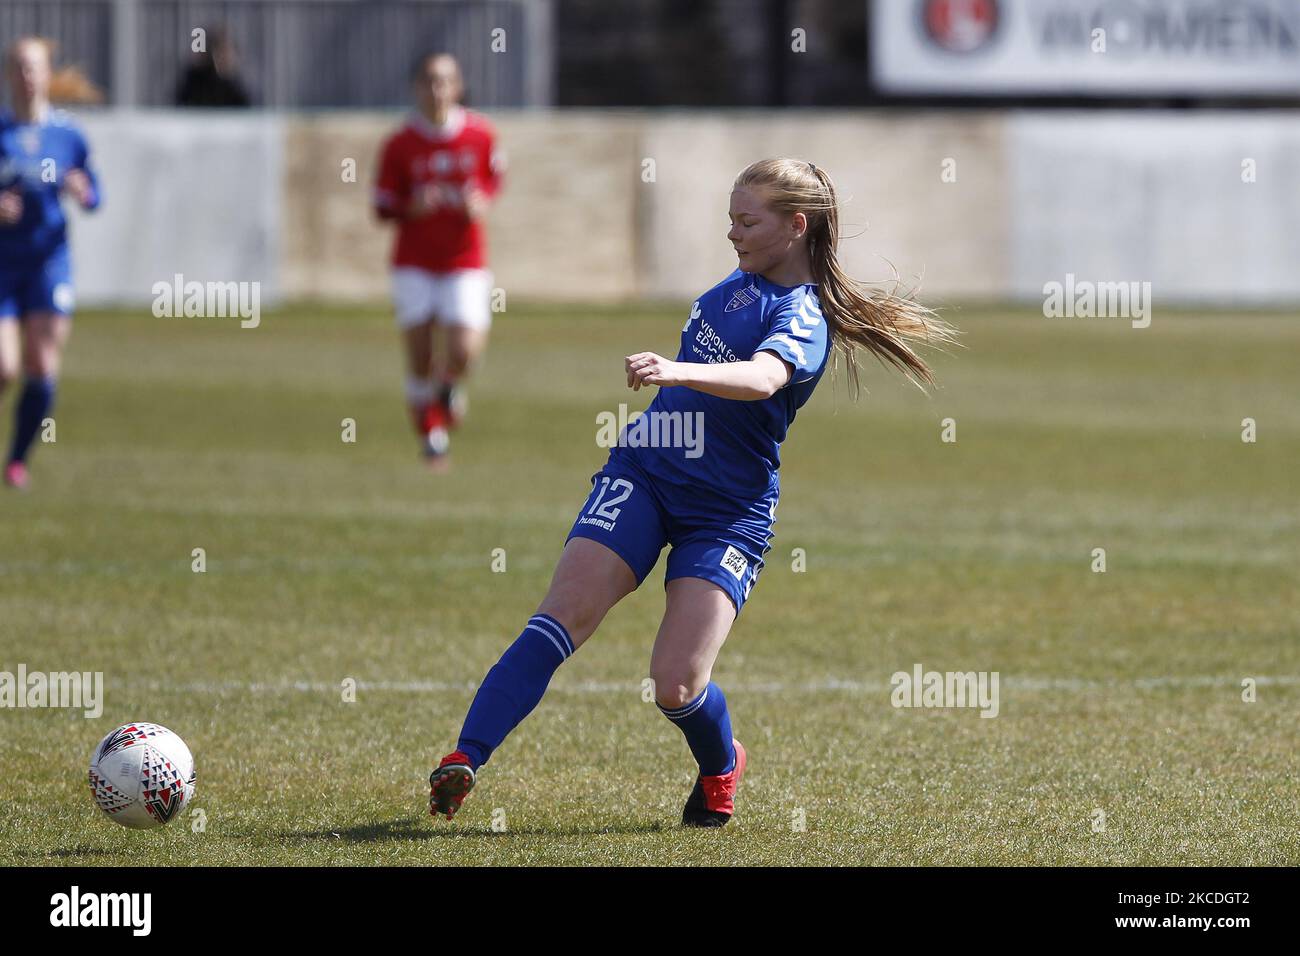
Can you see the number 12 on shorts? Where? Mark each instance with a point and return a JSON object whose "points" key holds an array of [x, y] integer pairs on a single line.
{"points": [[622, 489]]}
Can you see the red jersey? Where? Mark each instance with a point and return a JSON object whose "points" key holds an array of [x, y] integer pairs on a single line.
{"points": [[447, 160]]}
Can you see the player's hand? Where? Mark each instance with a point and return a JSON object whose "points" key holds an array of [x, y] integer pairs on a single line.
{"points": [[425, 199], [476, 202], [11, 207], [647, 368], [77, 183]]}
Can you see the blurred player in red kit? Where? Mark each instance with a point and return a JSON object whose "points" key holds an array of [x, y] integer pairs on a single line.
{"points": [[437, 176]]}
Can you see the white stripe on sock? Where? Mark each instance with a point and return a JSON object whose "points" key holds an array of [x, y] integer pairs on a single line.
{"points": [[564, 656], [689, 709], [555, 628]]}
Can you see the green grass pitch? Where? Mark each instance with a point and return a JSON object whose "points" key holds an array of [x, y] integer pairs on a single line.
{"points": [[1121, 692]]}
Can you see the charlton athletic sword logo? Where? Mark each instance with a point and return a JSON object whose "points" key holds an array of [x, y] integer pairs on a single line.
{"points": [[960, 26]]}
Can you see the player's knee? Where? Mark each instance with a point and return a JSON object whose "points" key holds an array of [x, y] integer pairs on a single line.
{"points": [[674, 689], [40, 364], [459, 359], [578, 613], [464, 349]]}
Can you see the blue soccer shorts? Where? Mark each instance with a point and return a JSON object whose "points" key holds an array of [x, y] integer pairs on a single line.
{"points": [[44, 285], [719, 540]]}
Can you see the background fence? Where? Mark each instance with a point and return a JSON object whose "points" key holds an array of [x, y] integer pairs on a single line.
{"points": [[303, 54], [699, 53]]}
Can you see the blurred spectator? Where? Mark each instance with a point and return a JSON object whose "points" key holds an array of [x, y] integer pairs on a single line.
{"points": [[212, 79]]}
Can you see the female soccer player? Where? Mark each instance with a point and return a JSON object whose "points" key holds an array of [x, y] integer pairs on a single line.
{"points": [[751, 354], [437, 177], [42, 156]]}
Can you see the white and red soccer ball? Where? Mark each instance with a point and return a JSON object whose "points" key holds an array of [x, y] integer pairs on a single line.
{"points": [[142, 775]]}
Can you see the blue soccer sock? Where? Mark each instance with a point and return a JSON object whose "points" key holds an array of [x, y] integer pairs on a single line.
{"points": [[513, 687], [29, 411], [707, 726]]}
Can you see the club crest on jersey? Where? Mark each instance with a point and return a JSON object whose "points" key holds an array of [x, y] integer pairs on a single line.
{"points": [[743, 298]]}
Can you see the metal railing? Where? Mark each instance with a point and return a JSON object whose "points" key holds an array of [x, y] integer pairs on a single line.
{"points": [[299, 54]]}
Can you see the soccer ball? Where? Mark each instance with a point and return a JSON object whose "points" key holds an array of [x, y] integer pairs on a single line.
{"points": [[142, 775]]}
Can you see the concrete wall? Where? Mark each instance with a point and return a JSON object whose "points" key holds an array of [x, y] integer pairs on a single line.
{"points": [[579, 220], [886, 170], [1159, 198], [198, 198], [586, 217]]}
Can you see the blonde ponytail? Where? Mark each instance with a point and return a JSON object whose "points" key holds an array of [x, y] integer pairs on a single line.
{"points": [[861, 317], [67, 85]]}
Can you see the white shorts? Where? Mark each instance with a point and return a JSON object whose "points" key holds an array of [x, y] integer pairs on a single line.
{"points": [[449, 298]]}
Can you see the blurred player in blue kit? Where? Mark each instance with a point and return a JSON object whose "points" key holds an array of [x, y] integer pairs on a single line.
{"points": [[752, 351], [43, 156]]}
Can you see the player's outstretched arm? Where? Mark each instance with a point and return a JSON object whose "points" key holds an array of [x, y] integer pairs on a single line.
{"points": [[80, 184], [760, 377], [392, 198]]}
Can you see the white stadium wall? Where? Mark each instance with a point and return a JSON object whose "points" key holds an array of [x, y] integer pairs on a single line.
{"points": [[201, 197], [1205, 207], [585, 217]]}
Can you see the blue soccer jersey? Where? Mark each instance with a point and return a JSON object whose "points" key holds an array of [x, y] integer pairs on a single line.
{"points": [[739, 454], [35, 158]]}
